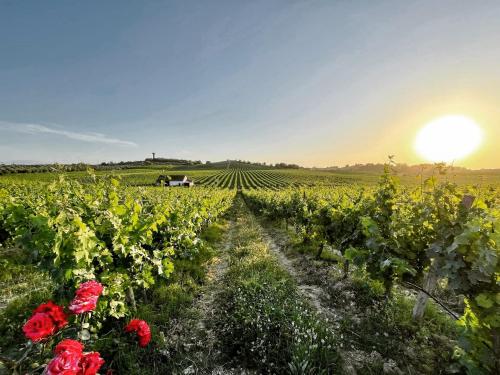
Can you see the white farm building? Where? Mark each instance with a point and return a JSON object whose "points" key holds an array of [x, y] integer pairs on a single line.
{"points": [[174, 180]]}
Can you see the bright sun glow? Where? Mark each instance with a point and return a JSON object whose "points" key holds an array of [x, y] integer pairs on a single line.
{"points": [[448, 138]]}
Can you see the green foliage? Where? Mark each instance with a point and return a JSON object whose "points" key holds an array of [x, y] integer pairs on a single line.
{"points": [[123, 237], [129, 239], [396, 233]]}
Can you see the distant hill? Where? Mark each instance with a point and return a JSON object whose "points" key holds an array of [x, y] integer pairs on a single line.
{"points": [[171, 163], [184, 164], [240, 164]]}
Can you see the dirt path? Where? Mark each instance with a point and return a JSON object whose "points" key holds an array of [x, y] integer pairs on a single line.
{"points": [[277, 242], [194, 338], [314, 283], [197, 339], [312, 292]]}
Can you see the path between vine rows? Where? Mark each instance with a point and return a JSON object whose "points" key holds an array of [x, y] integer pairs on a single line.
{"points": [[313, 293], [312, 281], [195, 337]]}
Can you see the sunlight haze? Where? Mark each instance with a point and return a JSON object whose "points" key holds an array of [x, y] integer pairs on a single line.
{"points": [[317, 83]]}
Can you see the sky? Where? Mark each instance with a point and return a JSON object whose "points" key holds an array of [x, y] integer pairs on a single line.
{"points": [[317, 82]]}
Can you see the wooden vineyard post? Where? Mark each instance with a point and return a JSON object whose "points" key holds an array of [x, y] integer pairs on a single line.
{"points": [[131, 298], [430, 282]]}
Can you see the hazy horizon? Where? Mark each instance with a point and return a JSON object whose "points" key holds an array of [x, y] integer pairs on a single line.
{"points": [[35, 162], [315, 83]]}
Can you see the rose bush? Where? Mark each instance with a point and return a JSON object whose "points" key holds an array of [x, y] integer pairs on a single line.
{"points": [[49, 319]]}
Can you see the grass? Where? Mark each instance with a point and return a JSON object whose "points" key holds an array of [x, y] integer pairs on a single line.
{"points": [[265, 324]]}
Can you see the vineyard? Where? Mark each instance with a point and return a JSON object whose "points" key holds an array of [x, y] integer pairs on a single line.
{"points": [[246, 179], [236, 175], [411, 238], [293, 274], [229, 178], [249, 179]]}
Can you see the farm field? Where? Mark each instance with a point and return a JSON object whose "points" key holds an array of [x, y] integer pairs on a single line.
{"points": [[243, 176], [231, 176], [301, 272]]}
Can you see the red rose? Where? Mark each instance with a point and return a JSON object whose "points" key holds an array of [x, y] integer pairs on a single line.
{"points": [[80, 306], [56, 312], [90, 363], [142, 330], [89, 288], [86, 297], [69, 345], [66, 363], [39, 326], [144, 340], [70, 360]]}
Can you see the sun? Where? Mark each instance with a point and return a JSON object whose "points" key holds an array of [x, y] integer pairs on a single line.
{"points": [[448, 138]]}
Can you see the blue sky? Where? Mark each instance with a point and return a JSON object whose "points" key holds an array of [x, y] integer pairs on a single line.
{"points": [[311, 82]]}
